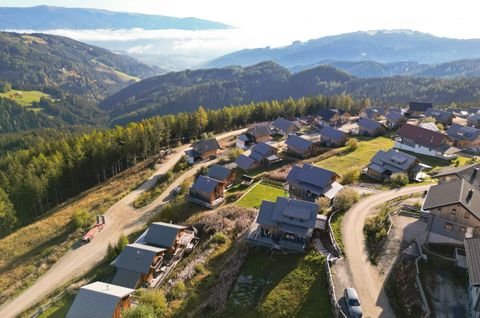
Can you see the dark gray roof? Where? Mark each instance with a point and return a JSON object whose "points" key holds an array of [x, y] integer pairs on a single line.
{"points": [[373, 112], [298, 143], [456, 191], [126, 278], [97, 300], [315, 178], [332, 133], [205, 184], [206, 145], [162, 234], [289, 215], [259, 131], [418, 106], [369, 124], [460, 132], [394, 116], [392, 160], [472, 251], [470, 173], [263, 148], [439, 115], [284, 124], [327, 114], [474, 117], [137, 257], [244, 162], [218, 172]]}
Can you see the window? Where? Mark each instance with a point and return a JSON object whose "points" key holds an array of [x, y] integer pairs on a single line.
{"points": [[453, 212], [463, 229], [449, 226], [466, 215]]}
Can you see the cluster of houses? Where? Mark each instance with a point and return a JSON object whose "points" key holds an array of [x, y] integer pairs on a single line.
{"points": [[143, 263]]}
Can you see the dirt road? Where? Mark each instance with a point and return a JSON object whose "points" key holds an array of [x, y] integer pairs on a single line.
{"points": [[121, 218], [365, 277]]}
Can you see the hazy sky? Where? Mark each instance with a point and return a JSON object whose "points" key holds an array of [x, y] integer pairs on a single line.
{"points": [[303, 19]]}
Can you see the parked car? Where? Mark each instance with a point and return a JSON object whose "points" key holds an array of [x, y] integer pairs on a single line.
{"points": [[353, 303], [176, 191], [472, 151]]}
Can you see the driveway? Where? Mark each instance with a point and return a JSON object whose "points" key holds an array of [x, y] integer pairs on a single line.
{"points": [[357, 270], [121, 218]]}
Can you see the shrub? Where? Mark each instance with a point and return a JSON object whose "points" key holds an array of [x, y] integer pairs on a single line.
{"points": [[398, 180], [199, 268], [351, 176], [141, 311], [181, 165], [5, 87], [154, 298], [82, 219], [219, 238], [345, 199], [234, 153], [352, 144], [114, 250], [178, 290], [375, 231], [323, 204]]}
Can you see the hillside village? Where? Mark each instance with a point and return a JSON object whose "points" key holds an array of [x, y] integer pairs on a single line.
{"points": [[300, 177]]}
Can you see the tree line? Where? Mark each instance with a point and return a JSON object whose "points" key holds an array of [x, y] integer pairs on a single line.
{"points": [[36, 179]]}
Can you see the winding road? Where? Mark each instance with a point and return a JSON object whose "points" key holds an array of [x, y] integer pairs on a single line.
{"points": [[121, 218], [364, 277]]}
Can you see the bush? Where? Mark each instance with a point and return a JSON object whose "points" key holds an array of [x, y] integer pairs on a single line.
{"points": [[351, 176], [234, 153], [352, 144], [398, 180], [178, 291], [323, 204], [181, 165], [345, 199], [375, 231], [114, 250], [154, 298], [82, 219], [5, 87], [219, 238], [199, 268], [141, 311]]}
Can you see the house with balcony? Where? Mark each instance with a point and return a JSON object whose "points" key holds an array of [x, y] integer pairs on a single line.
{"points": [[453, 206], [137, 264], [417, 109], [286, 224], [207, 192], [262, 154], [425, 142], [443, 117], [203, 150], [474, 120], [172, 237], [472, 252], [308, 182], [332, 137], [100, 300], [374, 113], [253, 135], [386, 163], [370, 127], [221, 173], [301, 146], [284, 126], [463, 136], [395, 119], [333, 117]]}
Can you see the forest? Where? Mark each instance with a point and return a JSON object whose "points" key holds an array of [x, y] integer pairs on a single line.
{"points": [[37, 178]]}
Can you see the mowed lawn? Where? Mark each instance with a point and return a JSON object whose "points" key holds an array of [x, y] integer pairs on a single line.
{"points": [[24, 98], [280, 285], [358, 158], [260, 192]]}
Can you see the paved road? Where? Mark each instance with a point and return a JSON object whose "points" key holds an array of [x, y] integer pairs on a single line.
{"points": [[365, 278], [121, 218]]}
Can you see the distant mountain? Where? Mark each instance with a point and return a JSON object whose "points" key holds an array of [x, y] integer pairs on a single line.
{"points": [[43, 18], [58, 64], [381, 46], [214, 88]]}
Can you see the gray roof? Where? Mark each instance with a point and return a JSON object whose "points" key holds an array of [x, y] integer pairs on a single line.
{"points": [[471, 173], [137, 257], [392, 160], [259, 131], [316, 179], [474, 117], [298, 143], [472, 251], [460, 132], [284, 124], [126, 278], [206, 145], [373, 113], [419, 106], [263, 148], [162, 234], [289, 215], [453, 192], [369, 124], [394, 116], [429, 126], [332, 133], [244, 162], [327, 114], [97, 300], [439, 115], [218, 172], [205, 184]]}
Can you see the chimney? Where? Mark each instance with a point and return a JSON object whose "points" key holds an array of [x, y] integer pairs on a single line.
{"points": [[469, 195], [138, 254]]}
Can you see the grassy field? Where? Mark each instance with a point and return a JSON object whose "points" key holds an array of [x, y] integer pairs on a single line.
{"points": [[358, 158], [60, 308], [280, 285], [24, 98], [336, 225], [260, 192], [31, 250]]}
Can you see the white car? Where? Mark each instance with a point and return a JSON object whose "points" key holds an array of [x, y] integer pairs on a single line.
{"points": [[353, 303]]}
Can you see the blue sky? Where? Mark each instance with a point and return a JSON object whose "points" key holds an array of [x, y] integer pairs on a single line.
{"points": [[306, 18]]}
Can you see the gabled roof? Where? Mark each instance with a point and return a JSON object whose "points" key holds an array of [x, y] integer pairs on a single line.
{"points": [[126, 278], [263, 148], [394, 116], [419, 107], [244, 162], [474, 117], [206, 145], [218, 172], [372, 112], [472, 252], [284, 124], [439, 115], [289, 215], [97, 300], [205, 184], [369, 124], [298, 143], [470, 173], [327, 114], [137, 257], [315, 178], [332, 133], [422, 136], [429, 126], [259, 131], [162, 234], [460, 132], [392, 160], [456, 191]]}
